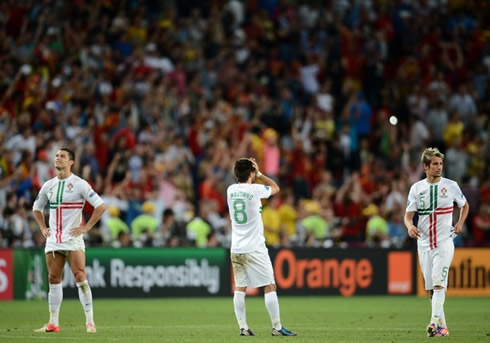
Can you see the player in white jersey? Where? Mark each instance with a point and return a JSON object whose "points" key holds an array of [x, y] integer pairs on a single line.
{"points": [[66, 195], [249, 256], [433, 199]]}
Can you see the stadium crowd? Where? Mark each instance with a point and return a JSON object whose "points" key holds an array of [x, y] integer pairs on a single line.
{"points": [[335, 99]]}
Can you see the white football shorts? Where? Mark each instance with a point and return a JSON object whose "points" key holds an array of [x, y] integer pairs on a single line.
{"points": [[435, 264], [74, 244], [252, 269]]}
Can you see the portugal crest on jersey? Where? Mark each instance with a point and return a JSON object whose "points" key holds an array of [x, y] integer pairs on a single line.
{"points": [[443, 192]]}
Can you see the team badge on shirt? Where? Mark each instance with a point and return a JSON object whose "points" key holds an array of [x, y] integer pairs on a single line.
{"points": [[443, 192], [69, 188]]}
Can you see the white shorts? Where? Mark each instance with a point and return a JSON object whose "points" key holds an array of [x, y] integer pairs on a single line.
{"points": [[74, 244], [435, 264], [252, 269]]}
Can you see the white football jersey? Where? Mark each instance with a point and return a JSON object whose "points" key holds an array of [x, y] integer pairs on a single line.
{"points": [[434, 204], [247, 234], [66, 199]]}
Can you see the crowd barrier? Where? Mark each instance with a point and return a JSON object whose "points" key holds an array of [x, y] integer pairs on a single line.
{"points": [[175, 272]]}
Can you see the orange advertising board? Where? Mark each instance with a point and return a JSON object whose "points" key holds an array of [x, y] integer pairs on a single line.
{"points": [[400, 272], [469, 274]]}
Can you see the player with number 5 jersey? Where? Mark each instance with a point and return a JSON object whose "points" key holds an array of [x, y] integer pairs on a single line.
{"points": [[433, 200], [434, 204], [249, 255]]}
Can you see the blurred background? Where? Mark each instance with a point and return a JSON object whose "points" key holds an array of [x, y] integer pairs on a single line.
{"points": [[335, 99]]}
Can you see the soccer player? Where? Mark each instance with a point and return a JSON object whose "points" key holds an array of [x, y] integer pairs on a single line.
{"points": [[249, 255], [433, 199], [66, 194]]}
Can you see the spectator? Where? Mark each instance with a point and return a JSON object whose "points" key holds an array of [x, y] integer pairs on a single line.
{"points": [[481, 225], [161, 99], [288, 216], [144, 226], [272, 223], [198, 231], [316, 228], [397, 232], [456, 159], [114, 225], [462, 102], [376, 228], [123, 240], [437, 120]]}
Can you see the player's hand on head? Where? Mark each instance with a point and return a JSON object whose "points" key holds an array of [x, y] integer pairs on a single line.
{"points": [[254, 162]]}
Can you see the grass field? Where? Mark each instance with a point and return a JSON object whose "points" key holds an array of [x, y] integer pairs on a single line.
{"points": [[316, 319]]}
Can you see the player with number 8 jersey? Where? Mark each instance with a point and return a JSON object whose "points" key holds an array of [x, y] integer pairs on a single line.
{"points": [[249, 256], [245, 209]]}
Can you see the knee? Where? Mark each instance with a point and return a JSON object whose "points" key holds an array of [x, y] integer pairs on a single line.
{"points": [[54, 279], [270, 288], [79, 275]]}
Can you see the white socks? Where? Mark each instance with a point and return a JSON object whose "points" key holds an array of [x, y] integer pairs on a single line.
{"points": [[272, 305], [240, 312], [55, 296], [438, 304], [85, 295]]}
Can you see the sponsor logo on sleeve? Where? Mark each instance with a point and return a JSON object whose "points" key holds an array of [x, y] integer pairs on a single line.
{"points": [[267, 187], [91, 194]]}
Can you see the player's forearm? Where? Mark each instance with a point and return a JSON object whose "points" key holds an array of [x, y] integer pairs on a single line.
{"points": [[408, 219], [39, 217], [98, 211], [269, 182], [464, 213]]}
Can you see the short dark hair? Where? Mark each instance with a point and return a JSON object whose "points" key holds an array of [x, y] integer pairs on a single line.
{"points": [[71, 153], [168, 212], [242, 169]]}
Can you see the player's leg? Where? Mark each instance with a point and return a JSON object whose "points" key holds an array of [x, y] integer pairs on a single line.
{"points": [[262, 274], [55, 263], [238, 262], [425, 261], [272, 306], [77, 265], [442, 259]]}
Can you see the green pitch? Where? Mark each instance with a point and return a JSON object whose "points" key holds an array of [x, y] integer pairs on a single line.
{"points": [[316, 319]]}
